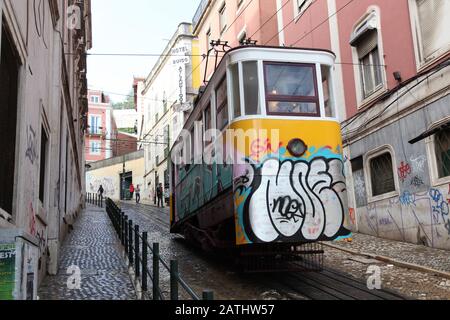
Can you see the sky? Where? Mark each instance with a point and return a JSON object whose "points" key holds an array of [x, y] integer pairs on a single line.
{"points": [[131, 26]]}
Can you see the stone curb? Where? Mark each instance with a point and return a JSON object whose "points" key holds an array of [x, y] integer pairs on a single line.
{"points": [[395, 262]]}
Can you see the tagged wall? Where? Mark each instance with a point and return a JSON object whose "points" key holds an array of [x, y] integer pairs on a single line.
{"points": [[107, 173], [419, 211]]}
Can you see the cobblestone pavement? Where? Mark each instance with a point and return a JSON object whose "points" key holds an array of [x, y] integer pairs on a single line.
{"points": [[201, 272], [410, 283], [93, 247], [198, 269], [406, 252]]}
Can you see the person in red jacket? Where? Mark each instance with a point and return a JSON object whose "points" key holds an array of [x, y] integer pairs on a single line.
{"points": [[131, 191]]}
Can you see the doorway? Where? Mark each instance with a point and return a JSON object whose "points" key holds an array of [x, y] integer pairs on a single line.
{"points": [[126, 181]]}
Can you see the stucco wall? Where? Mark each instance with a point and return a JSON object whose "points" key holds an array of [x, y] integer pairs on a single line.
{"points": [[419, 211]]}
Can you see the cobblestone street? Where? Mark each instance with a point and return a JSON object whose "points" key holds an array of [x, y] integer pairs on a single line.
{"points": [[94, 248], [202, 271]]}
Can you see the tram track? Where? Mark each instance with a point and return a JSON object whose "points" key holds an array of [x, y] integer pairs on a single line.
{"points": [[328, 284]]}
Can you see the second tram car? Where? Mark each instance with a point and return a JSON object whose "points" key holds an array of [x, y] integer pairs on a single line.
{"points": [[260, 166]]}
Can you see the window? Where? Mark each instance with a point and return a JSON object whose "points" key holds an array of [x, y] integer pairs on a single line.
{"points": [[222, 18], [9, 75], [165, 102], [166, 140], [95, 124], [291, 89], [207, 123], [382, 174], [328, 95], [234, 70], [43, 165], [365, 41], [432, 25], [95, 148], [300, 6], [251, 88], [442, 149], [222, 105], [192, 145], [95, 99], [242, 37], [208, 39]]}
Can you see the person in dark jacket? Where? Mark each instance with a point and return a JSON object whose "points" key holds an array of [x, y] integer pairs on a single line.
{"points": [[160, 195]]}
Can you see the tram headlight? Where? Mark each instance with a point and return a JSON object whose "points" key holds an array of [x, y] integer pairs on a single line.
{"points": [[297, 147]]}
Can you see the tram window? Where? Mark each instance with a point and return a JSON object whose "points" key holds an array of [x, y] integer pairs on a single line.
{"points": [[330, 110], [222, 105], [291, 89], [236, 96], [251, 86], [192, 140], [207, 124]]}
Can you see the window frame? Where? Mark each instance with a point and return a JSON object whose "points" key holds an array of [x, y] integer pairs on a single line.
{"points": [[373, 12], [430, 142], [95, 153], [224, 104], [98, 122], [299, 12], [417, 40], [223, 18], [368, 174], [283, 98]]}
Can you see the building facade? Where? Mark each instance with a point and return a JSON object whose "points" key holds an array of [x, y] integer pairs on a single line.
{"points": [[100, 127], [393, 98], [115, 175], [166, 98], [43, 98], [233, 21]]}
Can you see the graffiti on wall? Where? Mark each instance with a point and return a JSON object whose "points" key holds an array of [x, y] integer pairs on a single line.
{"points": [[107, 184], [31, 150], [404, 171]]}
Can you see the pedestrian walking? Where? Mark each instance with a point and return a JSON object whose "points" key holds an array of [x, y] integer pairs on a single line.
{"points": [[160, 195], [138, 194], [100, 192], [131, 191]]}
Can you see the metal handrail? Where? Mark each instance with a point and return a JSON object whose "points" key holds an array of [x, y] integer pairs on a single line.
{"points": [[134, 243]]}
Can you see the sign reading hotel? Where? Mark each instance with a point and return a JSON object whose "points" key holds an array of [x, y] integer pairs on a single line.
{"points": [[180, 56]]}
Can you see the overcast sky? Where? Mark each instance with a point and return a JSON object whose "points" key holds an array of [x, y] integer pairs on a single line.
{"points": [[131, 26]]}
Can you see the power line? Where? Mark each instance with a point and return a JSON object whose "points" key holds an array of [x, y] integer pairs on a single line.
{"points": [[142, 55], [270, 18], [320, 24]]}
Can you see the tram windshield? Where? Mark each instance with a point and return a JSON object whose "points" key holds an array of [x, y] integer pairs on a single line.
{"points": [[291, 89]]}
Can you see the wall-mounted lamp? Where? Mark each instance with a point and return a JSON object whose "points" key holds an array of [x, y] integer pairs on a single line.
{"points": [[398, 76]]}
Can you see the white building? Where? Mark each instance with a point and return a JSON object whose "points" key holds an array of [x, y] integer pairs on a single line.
{"points": [[166, 96], [43, 118]]}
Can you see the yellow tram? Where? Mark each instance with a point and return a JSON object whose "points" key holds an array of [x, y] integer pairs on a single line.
{"points": [[259, 165]]}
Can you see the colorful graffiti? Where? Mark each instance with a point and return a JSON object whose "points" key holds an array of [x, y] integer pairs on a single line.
{"points": [[404, 171], [293, 200], [260, 148]]}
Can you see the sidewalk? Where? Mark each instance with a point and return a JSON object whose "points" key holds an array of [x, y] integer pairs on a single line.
{"points": [[402, 252], [93, 247], [414, 271]]}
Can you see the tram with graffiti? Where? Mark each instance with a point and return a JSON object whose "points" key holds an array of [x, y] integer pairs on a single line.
{"points": [[259, 170]]}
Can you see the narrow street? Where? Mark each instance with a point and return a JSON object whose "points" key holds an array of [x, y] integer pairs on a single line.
{"points": [[93, 247]]}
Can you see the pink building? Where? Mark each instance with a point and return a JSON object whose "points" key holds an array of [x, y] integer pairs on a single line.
{"points": [[392, 78], [234, 21], [100, 127]]}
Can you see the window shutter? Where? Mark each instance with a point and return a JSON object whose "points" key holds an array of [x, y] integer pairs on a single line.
{"points": [[367, 43], [434, 25]]}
